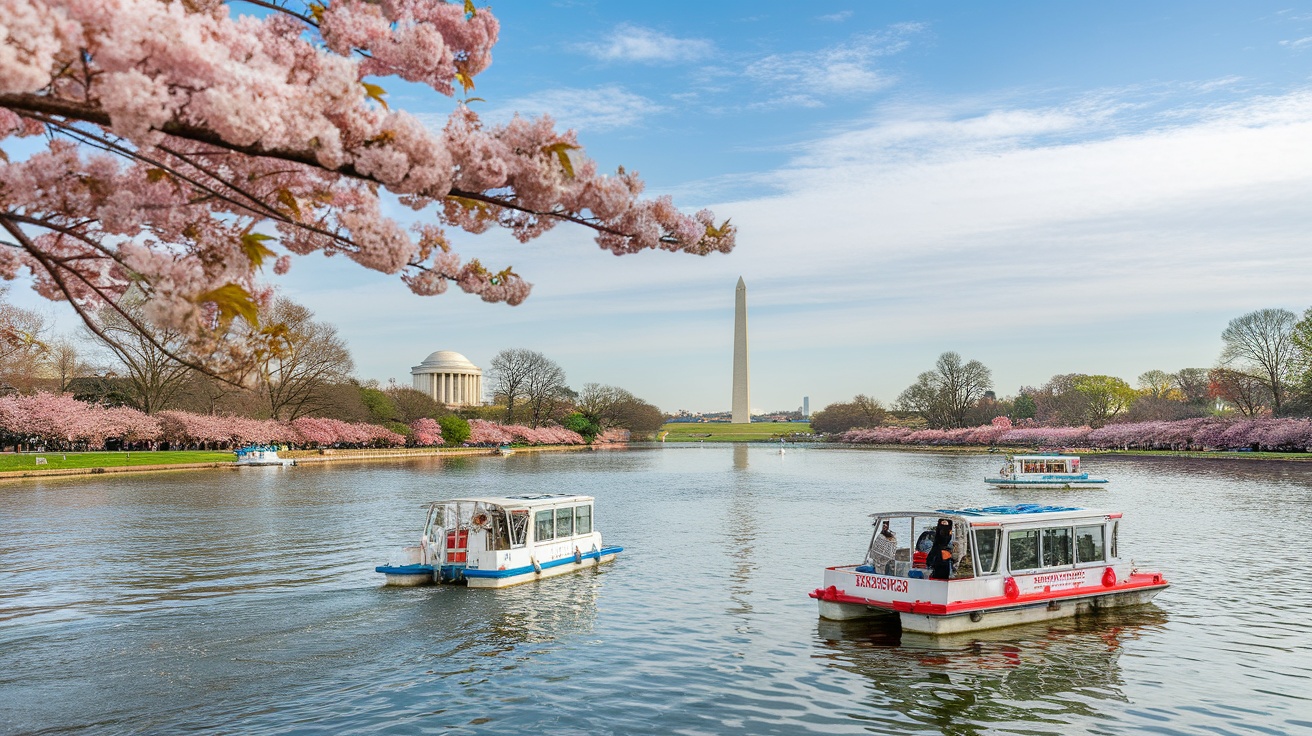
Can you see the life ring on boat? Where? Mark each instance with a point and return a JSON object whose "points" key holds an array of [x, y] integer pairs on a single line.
{"points": [[481, 520]]}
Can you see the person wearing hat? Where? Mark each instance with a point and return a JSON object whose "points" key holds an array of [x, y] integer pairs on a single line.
{"points": [[940, 555]]}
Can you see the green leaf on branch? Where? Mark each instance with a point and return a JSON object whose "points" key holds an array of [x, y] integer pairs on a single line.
{"points": [[465, 82], [470, 10], [154, 176], [562, 150], [232, 301], [718, 232], [288, 200], [316, 12], [252, 244], [375, 93]]}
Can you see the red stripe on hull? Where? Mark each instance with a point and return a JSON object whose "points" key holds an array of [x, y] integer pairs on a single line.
{"points": [[1137, 581]]}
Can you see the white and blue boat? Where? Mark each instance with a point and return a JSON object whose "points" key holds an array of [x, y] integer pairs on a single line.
{"points": [[256, 455], [495, 542], [1044, 471]]}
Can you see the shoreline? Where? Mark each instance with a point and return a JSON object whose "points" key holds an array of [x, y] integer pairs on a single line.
{"points": [[1293, 457], [301, 457]]}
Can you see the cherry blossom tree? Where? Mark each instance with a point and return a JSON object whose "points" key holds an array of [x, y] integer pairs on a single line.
{"points": [[188, 145], [427, 432]]}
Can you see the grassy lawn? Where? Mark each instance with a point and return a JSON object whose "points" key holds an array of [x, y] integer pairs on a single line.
{"points": [[58, 460], [726, 432]]}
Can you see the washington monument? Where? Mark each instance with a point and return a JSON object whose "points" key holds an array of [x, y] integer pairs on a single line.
{"points": [[742, 405]]}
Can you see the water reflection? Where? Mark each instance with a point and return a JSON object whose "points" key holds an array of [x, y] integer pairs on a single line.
{"points": [[740, 456], [974, 683]]}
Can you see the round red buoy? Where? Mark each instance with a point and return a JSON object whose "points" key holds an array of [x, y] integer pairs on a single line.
{"points": [[1109, 577], [1010, 589]]}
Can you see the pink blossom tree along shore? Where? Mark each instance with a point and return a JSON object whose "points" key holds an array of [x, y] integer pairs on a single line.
{"points": [[188, 145], [62, 422]]}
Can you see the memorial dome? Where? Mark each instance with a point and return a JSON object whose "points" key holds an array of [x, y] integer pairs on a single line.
{"points": [[447, 359]]}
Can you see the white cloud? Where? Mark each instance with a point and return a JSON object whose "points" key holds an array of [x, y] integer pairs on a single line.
{"points": [[595, 109], [923, 230], [635, 43], [838, 17], [843, 69], [1297, 43]]}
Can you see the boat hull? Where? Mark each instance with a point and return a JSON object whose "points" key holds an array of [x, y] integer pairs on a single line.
{"points": [[417, 574], [982, 619], [1026, 614], [1049, 484], [473, 580]]}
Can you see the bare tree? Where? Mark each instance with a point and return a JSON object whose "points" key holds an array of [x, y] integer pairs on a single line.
{"points": [[152, 376], [301, 360], [21, 343], [64, 364], [944, 395], [1248, 393], [525, 375], [1260, 344], [612, 406], [544, 391]]}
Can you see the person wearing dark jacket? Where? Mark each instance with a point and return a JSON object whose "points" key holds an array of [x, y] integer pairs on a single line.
{"points": [[940, 555]]}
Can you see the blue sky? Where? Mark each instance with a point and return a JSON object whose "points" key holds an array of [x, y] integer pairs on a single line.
{"points": [[1045, 187]]}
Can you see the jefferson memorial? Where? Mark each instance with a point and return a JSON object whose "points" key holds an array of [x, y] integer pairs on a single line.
{"points": [[450, 379]]}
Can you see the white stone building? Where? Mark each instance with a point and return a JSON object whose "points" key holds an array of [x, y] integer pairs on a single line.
{"points": [[450, 379]]}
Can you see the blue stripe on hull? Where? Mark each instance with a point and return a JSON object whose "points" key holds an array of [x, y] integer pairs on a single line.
{"points": [[472, 573]]}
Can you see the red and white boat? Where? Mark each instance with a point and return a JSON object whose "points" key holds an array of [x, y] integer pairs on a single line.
{"points": [[1010, 565]]}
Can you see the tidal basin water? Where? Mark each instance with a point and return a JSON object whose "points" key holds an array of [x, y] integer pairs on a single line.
{"points": [[244, 601]]}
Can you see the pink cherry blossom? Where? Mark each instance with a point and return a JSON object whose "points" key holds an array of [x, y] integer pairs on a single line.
{"points": [[189, 145]]}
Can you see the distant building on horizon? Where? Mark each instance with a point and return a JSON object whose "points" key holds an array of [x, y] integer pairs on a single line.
{"points": [[806, 407], [449, 378]]}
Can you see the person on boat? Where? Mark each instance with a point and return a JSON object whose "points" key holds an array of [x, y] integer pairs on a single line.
{"points": [[924, 543], [940, 555]]}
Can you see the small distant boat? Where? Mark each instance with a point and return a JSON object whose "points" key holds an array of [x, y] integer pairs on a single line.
{"points": [[495, 542], [1044, 471], [253, 455], [1009, 565], [504, 450]]}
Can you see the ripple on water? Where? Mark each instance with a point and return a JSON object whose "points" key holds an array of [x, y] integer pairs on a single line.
{"points": [[247, 602]]}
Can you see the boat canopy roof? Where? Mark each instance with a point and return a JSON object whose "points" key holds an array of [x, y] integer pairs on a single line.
{"points": [[523, 502], [994, 515], [1044, 456]]}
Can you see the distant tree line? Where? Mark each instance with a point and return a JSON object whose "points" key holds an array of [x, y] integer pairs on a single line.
{"points": [[1264, 370], [291, 367]]}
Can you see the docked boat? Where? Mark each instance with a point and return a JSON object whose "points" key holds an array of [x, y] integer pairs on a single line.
{"points": [[1044, 471], [255, 455], [494, 542], [998, 566]]}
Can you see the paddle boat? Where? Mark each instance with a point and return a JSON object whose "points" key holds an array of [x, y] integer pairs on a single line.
{"points": [[1009, 565], [1043, 471], [255, 455], [495, 542]]}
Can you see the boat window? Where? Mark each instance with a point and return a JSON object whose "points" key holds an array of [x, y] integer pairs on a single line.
{"points": [[1023, 549], [1057, 549], [1116, 525], [565, 522], [583, 520], [1088, 543], [544, 528], [518, 527], [986, 541]]}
